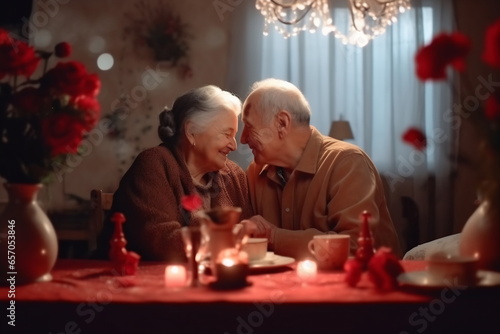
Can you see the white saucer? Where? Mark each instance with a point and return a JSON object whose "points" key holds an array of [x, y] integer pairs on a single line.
{"points": [[422, 279], [271, 261]]}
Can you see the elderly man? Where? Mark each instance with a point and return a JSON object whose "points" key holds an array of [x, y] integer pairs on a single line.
{"points": [[303, 183]]}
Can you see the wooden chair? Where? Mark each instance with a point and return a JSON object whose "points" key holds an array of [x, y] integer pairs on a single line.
{"points": [[100, 203]]}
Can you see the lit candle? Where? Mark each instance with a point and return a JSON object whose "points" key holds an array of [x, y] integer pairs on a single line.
{"points": [[231, 273], [175, 276], [306, 270]]}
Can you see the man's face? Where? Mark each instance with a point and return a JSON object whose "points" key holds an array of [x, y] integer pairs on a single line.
{"points": [[262, 138]]}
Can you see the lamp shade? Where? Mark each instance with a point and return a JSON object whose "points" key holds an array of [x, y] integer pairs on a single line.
{"points": [[341, 130]]}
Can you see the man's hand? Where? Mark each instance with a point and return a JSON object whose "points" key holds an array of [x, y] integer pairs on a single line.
{"points": [[258, 227]]}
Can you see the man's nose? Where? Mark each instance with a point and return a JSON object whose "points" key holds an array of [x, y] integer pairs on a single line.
{"points": [[243, 137]]}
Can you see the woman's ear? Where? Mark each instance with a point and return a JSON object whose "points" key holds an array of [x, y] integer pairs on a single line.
{"points": [[189, 132]]}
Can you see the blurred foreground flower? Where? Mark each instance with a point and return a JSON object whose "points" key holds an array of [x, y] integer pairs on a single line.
{"points": [[42, 120]]}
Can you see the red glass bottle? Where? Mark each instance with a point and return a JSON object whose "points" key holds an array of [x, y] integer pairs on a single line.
{"points": [[117, 251], [365, 249]]}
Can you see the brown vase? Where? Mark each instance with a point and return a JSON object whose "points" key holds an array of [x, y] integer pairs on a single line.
{"points": [[28, 239], [480, 238]]}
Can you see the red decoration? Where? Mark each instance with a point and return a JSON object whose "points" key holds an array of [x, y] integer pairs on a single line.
{"points": [[384, 268], [445, 49], [125, 262], [353, 270], [491, 52], [131, 263], [117, 251], [416, 138], [492, 107], [191, 202], [365, 249]]}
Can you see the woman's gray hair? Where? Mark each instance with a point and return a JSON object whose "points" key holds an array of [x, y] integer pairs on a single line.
{"points": [[200, 106], [276, 95]]}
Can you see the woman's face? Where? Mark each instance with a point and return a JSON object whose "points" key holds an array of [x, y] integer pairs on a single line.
{"points": [[214, 144]]}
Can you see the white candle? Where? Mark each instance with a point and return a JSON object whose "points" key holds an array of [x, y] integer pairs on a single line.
{"points": [[306, 270], [175, 276]]}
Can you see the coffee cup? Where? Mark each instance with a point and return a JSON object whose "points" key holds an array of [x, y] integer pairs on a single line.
{"points": [[452, 270], [256, 248], [330, 250]]}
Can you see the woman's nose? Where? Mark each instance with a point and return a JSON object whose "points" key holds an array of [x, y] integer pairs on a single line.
{"points": [[233, 144]]}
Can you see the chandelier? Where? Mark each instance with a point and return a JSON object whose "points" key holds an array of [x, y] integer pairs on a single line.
{"points": [[368, 18]]}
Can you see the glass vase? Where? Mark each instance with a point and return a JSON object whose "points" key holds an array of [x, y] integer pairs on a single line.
{"points": [[28, 239]]}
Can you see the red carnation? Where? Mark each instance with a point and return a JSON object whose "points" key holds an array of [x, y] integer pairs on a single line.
{"points": [[62, 50], [91, 110], [71, 78], [28, 100], [416, 138], [491, 52], [63, 133], [445, 49], [16, 57], [191, 202]]}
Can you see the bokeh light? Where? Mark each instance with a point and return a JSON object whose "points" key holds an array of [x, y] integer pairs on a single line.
{"points": [[42, 38], [105, 61]]}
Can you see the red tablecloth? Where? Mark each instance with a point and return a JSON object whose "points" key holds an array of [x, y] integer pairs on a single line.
{"points": [[85, 297]]}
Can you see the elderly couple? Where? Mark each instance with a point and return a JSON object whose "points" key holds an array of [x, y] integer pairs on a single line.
{"points": [[300, 183]]}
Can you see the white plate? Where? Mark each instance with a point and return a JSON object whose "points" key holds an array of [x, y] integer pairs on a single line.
{"points": [[422, 279], [271, 261]]}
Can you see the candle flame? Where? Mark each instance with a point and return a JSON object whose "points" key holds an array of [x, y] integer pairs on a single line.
{"points": [[228, 262]]}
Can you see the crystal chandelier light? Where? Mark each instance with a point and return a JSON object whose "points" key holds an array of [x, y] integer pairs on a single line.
{"points": [[368, 18]]}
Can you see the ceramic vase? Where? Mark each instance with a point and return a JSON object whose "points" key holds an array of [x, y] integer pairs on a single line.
{"points": [[28, 239], [480, 238]]}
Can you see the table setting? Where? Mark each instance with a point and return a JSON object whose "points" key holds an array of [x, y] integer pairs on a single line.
{"points": [[245, 288]]}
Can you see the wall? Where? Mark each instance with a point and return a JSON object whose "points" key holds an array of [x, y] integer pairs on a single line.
{"points": [[135, 89]]}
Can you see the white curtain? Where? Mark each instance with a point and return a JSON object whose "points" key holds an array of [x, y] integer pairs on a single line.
{"points": [[376, 90]]}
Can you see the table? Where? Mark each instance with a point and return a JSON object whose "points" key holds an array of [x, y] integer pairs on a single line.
{"points": [[85, 297]]}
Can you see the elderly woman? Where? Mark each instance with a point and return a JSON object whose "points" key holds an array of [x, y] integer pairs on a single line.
{"points": [[197, 135]]}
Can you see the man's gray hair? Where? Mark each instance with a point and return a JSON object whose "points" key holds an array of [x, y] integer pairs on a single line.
{"points": [[275, 95]]}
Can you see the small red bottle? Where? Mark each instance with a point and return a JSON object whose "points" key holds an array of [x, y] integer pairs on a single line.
{"points": [[365, 249], [117, 251]]}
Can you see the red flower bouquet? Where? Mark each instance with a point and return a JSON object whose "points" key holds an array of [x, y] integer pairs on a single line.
{"points": [[45, 119]]}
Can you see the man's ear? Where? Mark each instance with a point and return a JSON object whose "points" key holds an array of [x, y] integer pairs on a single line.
{"points": [[283, 122]]}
